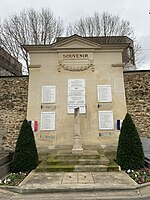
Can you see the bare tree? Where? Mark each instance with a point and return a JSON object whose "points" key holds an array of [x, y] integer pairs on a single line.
{"points": [[104, 24], [29, 27]]}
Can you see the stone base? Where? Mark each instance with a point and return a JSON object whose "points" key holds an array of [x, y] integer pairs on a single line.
{"points": [[77, 145], [83, 161], [77, 151]]}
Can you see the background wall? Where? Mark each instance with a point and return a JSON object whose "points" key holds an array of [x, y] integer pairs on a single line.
{"points": [[9, 66], [137, 88], [13, 104], [13, 108]]}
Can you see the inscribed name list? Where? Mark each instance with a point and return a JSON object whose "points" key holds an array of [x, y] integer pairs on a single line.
{"points": [[104, 93], [106, 121], [48, 94], [48, 121], [76, 83], [76, 95]]}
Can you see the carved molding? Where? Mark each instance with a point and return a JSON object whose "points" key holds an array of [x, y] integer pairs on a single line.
{"points": [[76, 67]]}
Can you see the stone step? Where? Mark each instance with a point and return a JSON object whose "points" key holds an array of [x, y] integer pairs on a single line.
{"points": [[77, 168], [91, 168], [65, 161], [101, 161], [55, 168], [65, 155], [71, 168]]}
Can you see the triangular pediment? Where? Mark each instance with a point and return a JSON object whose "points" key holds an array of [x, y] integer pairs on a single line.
{"points": [[75, 42]]}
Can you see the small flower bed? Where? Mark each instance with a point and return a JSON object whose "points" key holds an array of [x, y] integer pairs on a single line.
{"points": [[140, 176], [13, 179]]}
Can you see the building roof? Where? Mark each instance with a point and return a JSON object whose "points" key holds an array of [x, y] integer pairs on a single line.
{"points": [[104, 39], [112, 42]]}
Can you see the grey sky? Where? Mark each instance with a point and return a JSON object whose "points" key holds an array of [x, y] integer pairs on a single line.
{"points": [[136, 11]]}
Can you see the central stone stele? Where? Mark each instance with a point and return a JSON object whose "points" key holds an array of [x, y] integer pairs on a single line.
{"points": [[77, 139]]}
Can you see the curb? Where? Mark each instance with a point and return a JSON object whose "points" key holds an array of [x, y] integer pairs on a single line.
{"points": [[67, 188], [144, 185], [15, 189]]}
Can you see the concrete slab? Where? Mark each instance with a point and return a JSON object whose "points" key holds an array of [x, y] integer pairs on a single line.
{"points": [[43, 179], [85, 178], [112, 178], [145, 191], [70, 178]]}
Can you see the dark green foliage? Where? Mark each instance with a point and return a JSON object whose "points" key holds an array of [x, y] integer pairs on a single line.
{"points": [[130, 152], [25, 157]]}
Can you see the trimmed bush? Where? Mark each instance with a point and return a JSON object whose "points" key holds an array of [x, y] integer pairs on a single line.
{"points": [[25, 157], [129, 152]]}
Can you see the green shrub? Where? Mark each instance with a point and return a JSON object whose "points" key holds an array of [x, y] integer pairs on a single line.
{"points": [[25, 157], [129, 152]]}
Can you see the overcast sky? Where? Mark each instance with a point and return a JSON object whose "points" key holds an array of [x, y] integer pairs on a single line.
{"points": [[136, 11]]}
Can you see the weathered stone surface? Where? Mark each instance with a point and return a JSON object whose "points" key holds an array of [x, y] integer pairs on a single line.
{"points": [[77, 139], [137, 88], [13, 104], [13, 108]]}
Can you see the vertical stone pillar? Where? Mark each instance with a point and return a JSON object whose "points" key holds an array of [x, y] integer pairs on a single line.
{"points": [[77, 139]]}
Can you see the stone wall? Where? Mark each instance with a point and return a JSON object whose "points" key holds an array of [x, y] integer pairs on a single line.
{"points": [[13, 107], [137, 87], [9, 66], [13, 104]]}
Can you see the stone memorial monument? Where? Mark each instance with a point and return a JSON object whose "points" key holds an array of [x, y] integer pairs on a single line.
{"points": [[76, 88]]}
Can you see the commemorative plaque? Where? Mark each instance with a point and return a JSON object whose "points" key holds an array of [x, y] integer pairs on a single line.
{"points": [[76, 95], [48, 94], [104, 93], [106, 121], [48, 121]]}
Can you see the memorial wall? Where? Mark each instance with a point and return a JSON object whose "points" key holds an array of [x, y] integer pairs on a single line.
{"points": [[14, 92], [72, 73]]}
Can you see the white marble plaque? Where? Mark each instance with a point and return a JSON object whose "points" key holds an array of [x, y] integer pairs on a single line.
{"points": [[48, 121], [82, 108], [104, 93], [48, 94], [106, 121], [76, 100], [76, 83], [76, 95], [76, 91]]}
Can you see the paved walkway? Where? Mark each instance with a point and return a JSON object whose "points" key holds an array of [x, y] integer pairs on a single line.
{"points": [[77, 180], [102, 185]]}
